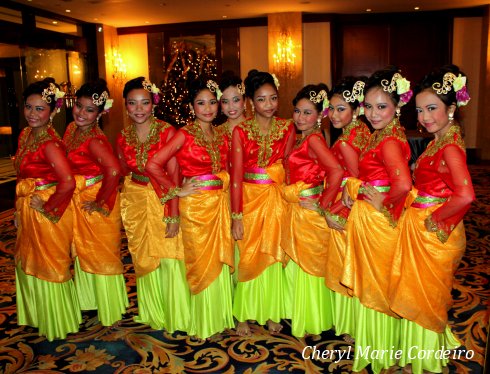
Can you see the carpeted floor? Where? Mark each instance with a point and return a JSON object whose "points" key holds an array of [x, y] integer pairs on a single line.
{"points": [[135, 348]]}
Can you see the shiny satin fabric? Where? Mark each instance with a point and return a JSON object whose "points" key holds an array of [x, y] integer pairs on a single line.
{"points": [[303, 235], [263, 207], [206, 233], [142, 215], [423, 270], [97, 237], [43, 247], [369, 255]]}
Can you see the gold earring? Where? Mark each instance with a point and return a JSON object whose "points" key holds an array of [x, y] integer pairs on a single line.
{"points": [[451, 116], [319, 123], [397, 112]]}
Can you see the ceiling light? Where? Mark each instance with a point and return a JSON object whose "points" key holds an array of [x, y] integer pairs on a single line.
{"points": [[67, 10], [147, 22], [225, 16], [417, 8], [368, 10], [55, 22], [99, 29]]}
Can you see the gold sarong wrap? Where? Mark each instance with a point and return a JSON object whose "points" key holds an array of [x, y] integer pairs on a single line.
{"points": [[142, 215], [263, 207], [335, 243], [43, 247], [206, 231], [423, 270], [352, 186], [303, 232], [97, 237], [371, 243]]}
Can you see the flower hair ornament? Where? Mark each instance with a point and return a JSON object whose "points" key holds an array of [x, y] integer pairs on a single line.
{"points": [[58, 96], [357, 93], [103, 98], [402, 87], [213, 87], [153, 89], [241, 89], [320, 97], [276, 81], [458, 84]]}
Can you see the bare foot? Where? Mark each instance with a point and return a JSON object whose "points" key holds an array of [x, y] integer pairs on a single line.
{"points": [[215, 338], [243, 329], [273, 327], [348, 339]]}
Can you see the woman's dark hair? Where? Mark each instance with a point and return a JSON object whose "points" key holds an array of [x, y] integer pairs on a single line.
{"points": [[385, 75], [37, 88], [229, 78], [197, 85], [256, 79], [96, 88], [134, 84], [304, 93], [347, 84], [437, 76]]}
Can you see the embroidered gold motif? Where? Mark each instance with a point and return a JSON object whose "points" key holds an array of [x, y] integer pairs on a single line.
{"points": [[25, 147], [212, 147], [142, 148], [392, 130], [73, 140], [264, 141], [356, 134], [452, 136]]}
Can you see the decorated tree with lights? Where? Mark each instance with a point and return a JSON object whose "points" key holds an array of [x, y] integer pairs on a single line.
{"points": [[186, 63]]}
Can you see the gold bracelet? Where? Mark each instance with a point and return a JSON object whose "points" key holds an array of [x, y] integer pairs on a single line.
{"points": [[172, 219], [236, 215], [172, 192]]}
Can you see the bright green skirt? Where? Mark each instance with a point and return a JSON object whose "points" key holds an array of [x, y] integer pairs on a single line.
{"points": [[345, 314], [263, 298], [312, 303], [211, 309], [105, 293], [377, 340], [51, 307], [423, 348], [163, 297]]}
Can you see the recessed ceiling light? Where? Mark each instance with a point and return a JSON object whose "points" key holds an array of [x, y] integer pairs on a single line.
{"points": [[147, 22], [225, 16], [368, 10], [417, 8], [55, 22], [96, 19], [67, 10]]}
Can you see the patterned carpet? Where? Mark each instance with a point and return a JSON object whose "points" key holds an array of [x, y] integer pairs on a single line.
{"points": [[135, 348]]}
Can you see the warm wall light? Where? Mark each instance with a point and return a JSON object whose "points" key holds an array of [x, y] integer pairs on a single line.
{"points": [[118, 67], [284, 58]]}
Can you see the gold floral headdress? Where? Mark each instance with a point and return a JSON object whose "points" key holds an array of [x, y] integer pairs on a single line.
{"points": [[320, 97], [241, 88], [213, 87], [52, 90], [399, 84], [153, 89], [458, 84], [276, 81]]}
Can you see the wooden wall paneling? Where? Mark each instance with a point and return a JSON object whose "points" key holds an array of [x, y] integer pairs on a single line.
{"points": [[230, 50]]}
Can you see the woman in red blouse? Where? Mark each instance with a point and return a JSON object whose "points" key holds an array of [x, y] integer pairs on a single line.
{"points": [[314, 175], [46, 297], [432, 236], [344, 109], [201, 151], [258, 147], [155, 244], [232, 101], [371, 228], [99, 276]]}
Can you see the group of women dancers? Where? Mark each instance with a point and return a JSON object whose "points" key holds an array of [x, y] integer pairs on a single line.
{"points": [[253, 221]]}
